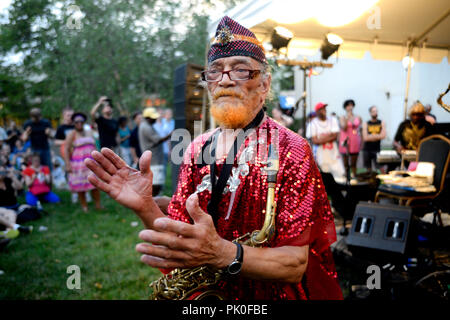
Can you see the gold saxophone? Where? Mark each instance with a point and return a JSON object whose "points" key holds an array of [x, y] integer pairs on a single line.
{"points": [[441, 103], [198, 283]]}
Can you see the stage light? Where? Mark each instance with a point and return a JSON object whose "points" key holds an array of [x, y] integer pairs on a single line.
{"points": [[280, 38], [330, 45], [405, 62]]}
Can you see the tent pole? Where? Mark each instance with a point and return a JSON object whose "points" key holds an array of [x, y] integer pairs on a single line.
{"points": [[212, 122], [304, 103], [432, 26], [410, 50], [408, 79]]}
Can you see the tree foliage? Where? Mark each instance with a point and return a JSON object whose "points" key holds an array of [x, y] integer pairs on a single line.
{"points": [[126, 50]]}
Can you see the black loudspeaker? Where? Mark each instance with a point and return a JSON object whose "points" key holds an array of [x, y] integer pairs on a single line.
{"points": [[380, 226], [188, 103]]}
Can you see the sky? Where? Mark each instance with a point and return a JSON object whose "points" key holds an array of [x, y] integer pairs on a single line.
{"points": [[4, 4]]}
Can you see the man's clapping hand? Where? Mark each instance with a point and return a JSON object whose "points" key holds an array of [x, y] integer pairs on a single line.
{"points": [[128, 186]]}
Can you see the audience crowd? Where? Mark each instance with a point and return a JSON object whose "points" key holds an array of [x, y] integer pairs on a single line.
{"points": [[35, 158]]}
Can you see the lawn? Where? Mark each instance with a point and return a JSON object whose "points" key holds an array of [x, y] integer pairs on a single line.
{"points": [[102, 243]]}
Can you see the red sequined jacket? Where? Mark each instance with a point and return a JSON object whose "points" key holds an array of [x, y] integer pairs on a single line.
{"points": [[303, 211]]}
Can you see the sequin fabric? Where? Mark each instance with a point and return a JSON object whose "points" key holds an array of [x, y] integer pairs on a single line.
{"points": [[303, 212]]}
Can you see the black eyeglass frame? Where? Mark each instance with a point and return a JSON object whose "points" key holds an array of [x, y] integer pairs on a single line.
{"points": [[251, 75]]}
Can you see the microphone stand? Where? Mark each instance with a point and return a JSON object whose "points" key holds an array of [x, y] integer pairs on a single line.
{"points": [[305, 66], [344, 230], [347, 165]]}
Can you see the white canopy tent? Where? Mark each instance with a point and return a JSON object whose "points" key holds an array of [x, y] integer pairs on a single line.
{"points": [[388, 29]]}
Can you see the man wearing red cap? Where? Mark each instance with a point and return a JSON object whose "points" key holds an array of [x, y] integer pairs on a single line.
{"points": [[221, 200], [323, 132]]}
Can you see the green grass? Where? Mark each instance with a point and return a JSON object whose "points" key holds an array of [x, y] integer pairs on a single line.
{"points": [[102, 243]]}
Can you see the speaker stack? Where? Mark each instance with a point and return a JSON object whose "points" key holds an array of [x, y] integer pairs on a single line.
{"points": [[188, 106], [382, 227]]}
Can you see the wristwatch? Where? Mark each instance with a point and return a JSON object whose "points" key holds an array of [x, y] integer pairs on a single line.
{"points": [[235, 267]]}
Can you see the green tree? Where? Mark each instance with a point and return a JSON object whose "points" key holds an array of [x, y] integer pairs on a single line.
{"points": [[125, 50]]}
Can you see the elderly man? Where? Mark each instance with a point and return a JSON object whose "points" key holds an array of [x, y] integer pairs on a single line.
{"points": [[218, 202]]}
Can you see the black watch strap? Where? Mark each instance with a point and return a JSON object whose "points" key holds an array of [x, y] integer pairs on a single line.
{"points": [[235, 267]]}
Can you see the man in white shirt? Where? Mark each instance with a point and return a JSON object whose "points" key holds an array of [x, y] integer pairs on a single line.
{"points": [[323, 132]]}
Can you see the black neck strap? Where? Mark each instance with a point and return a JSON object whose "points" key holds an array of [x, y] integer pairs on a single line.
{"points": [[217, 188]]}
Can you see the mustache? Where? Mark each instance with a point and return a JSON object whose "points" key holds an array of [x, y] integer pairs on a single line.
{"points": [[227, 92]]}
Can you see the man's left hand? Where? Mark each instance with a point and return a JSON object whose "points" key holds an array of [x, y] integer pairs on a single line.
{"points": [[176, 244]]}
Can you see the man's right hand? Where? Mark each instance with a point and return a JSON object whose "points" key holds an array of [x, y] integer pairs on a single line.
{"points": [[129, 187]]}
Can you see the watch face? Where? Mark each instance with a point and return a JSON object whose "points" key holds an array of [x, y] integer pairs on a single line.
{"points": [[234, 267]]}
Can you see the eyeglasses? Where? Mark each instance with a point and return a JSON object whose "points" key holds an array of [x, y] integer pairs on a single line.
{"points": [[234, 75]]}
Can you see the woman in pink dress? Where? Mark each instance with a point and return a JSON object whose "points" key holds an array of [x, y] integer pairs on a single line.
{"points": [[350, 136], [79, 145]]}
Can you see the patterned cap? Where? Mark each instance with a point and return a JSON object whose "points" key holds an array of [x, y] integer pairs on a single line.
{"points": [[232, 39]]}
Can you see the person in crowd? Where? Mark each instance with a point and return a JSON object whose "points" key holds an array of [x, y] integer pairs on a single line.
{"points": [[5, 152], [59, 180], [411, 131], [107, 126], [9, 186], [135, 148], [167, 126], [8, 219], [149, 139], [301, 130], [168, 120], [124, 139], [281, 118], [323, 132], [38, 181], [297, 262], [64, 129], [14, 134], [350, 136], [78, 147], [18, 154], [3, 136], [38, 130], [158, 124], [373, 131], [431, 118]]}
